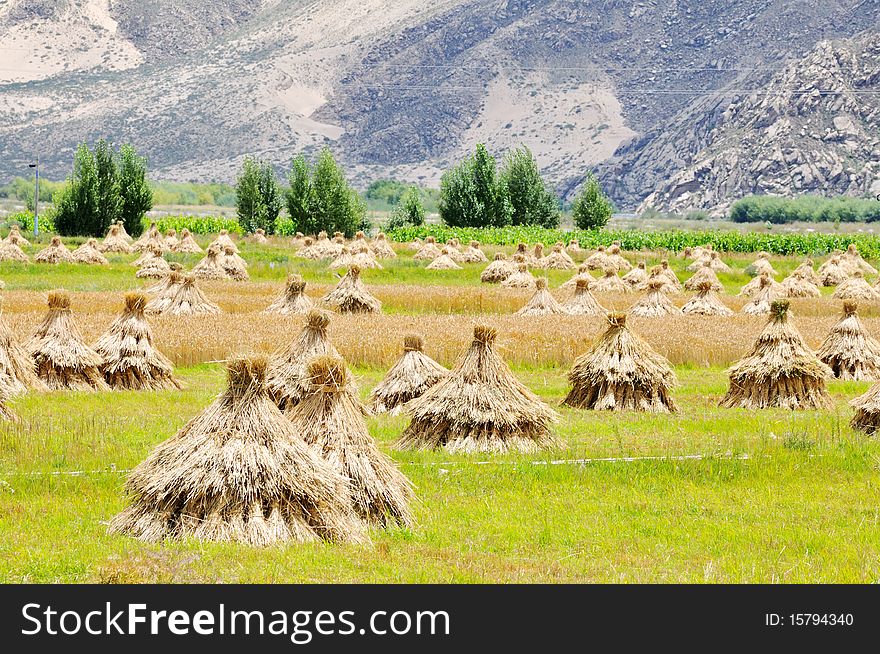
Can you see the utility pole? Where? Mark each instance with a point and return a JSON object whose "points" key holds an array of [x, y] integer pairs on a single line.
{"points": [[36, 167]]}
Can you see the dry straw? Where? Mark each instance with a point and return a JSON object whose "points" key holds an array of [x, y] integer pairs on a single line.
{"points": [[522, 278], [867, 415], [834, 272], [443, 262], [351, 296], [706, 303], [574, 247], [557, 260], [498, 270], [759, 305], [331, 420], [88, 253], [15, 238], [849, 350], [760, 265], [598, 260], [366, 260], [542, 303], [756, 284], [621, 373], [187, 244], [223, 241], [637, 276], [799, 284], [288, 379], [806, 271], [55, 252], [704, 274], [382, 248], [12, 252], [656, 303], [233, 265], [63, 360], [293, 300], [344, 259], [583, 274], [155, 267], [856, 262], [238, 472], [165, 292], [856, 288], [780, 371], [259, 236], [473, 254], [115, 242], [610, 283], [124, 234], [17, 368], [211, 266], [582, 303], [411, 375], [479, 407], [429, 250], [616, 259], [670, 275], [171, 238], [130, 360], [189, 300]]}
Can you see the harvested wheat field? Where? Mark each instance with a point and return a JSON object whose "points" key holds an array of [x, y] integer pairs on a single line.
{"points": [[534, 490]]}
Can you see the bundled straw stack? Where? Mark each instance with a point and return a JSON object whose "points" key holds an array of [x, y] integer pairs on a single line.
{"points": [[382, 248], [149, 238], [122, 233], [115, 242], [574, 247], [15, 238], [351, 296], [799, 284], [867, 406], [130, 360], [187, 244], [223, 241], [259, 236], [704, 274], [413, 374], [88, 253], [542, 302], [154, 267], [760, 265], [656, 303], [806, 271], [856, 288], [473, 254], [670, 275], [849, 350], [706, 303], [331, 420], [165, 293], [583, 274], [780, 371], [557, 260], [429, 250], [582, 303], [443, 262], [521, 278], [522, 255], [63, 360], [344, 259], [598, 260], [54, 253], [17, 368], [238, 472], [211, 266], [621, 373], [12, 252], [307, 250], [189, 300], [171, 238], [637, 276], [233, 265], [293, 300], [365, 259], [497, 271], [756, 284], [616, 259], [834, 272], [856, 262], [759, 305], [610, 283], [479, 407], [288, 380]]}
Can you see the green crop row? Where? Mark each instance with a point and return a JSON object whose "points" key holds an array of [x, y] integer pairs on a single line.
{"points": [[198, 224]]}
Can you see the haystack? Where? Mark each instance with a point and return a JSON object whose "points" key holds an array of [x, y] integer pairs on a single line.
{"points": [[223, 241], [429, 250], [150, 251], [15, 238], [856, 288], [190, 301], [122, 233], [131, 361], [582, 303], [150, 238], [849, 350], [366, 260], [187, 244], [583, 274], [656, 303], [382, 248], [155, 267], [473, 254], [704, 274], [298, 240], [330, 419], [259, 236], [538, 254], [308, 250], [781, 370], [621, 373], [834, 272], [867, 406], [542, 302], [343, 260], [637, 276], [114, 242], [479, 407], [165, 292], [233, 265], [610, 283], [63, 360], [574, 247], [239, 472], [163, 283], [350, 295], [855, 261], [754, 285], [521, 278], [598, 260], [657, 274], [806, 271], [11, 252], [522, 255], [55, 252], [760, 265], [415, 245], [413, 374], [497, 271], [443, 262], [359, 244], [706, 303], [171, 239], [670, 275], [322, 248], [761, 302], [797, 284], [616, 259], [17, 368], [557, 260], [293, 300], [88, 253], [211, 266], [454, 253], [287, 379]]}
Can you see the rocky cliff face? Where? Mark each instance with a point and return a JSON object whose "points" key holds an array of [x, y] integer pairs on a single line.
{"points": [[814, 128]]}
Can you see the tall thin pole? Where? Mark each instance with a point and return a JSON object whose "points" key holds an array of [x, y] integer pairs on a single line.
{"points": [[37, 198]]}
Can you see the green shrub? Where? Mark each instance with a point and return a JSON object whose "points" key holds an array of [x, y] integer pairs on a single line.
{"points": [[591, 208], [408, 212], [25, 220], [805, 208]]}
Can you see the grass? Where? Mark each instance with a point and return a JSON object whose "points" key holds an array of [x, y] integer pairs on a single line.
{"points": [[775, 496]]}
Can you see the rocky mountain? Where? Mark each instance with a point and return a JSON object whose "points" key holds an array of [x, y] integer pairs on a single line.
{"points": [[635, 90]]}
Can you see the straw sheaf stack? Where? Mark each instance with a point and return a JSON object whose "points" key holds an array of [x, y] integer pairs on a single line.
{"points": [[760, 304], [706, 303], [224, 241], [479, 407], [867, 415], [616, 259], [856, 288], [54, 253], [429, 250], [233, 265], [849, 350], [211, 266], [799, 284], [557, 260], [187, 244], [621, 373], [656, 303], [259, 236], [582, 303], [781, 370], [443, 262], [411, 375], [15, 238], [856, 262], [171, 238], [521, 278], [188, 300], [63, 360], [12, 252], [704, 274], [637, 276], [130, 360], [382, 248], [598, 260], [760, 265], [610, 283], [583, 274], [331, 420], [473, 254], [155, 267], [834, 272], [115, 242], [88, 253], [542, 303], [17, 367], [756, 284], [344, 259], [351, 296], [165, 293], [239, 472], [498, 270], [293, 300]]}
